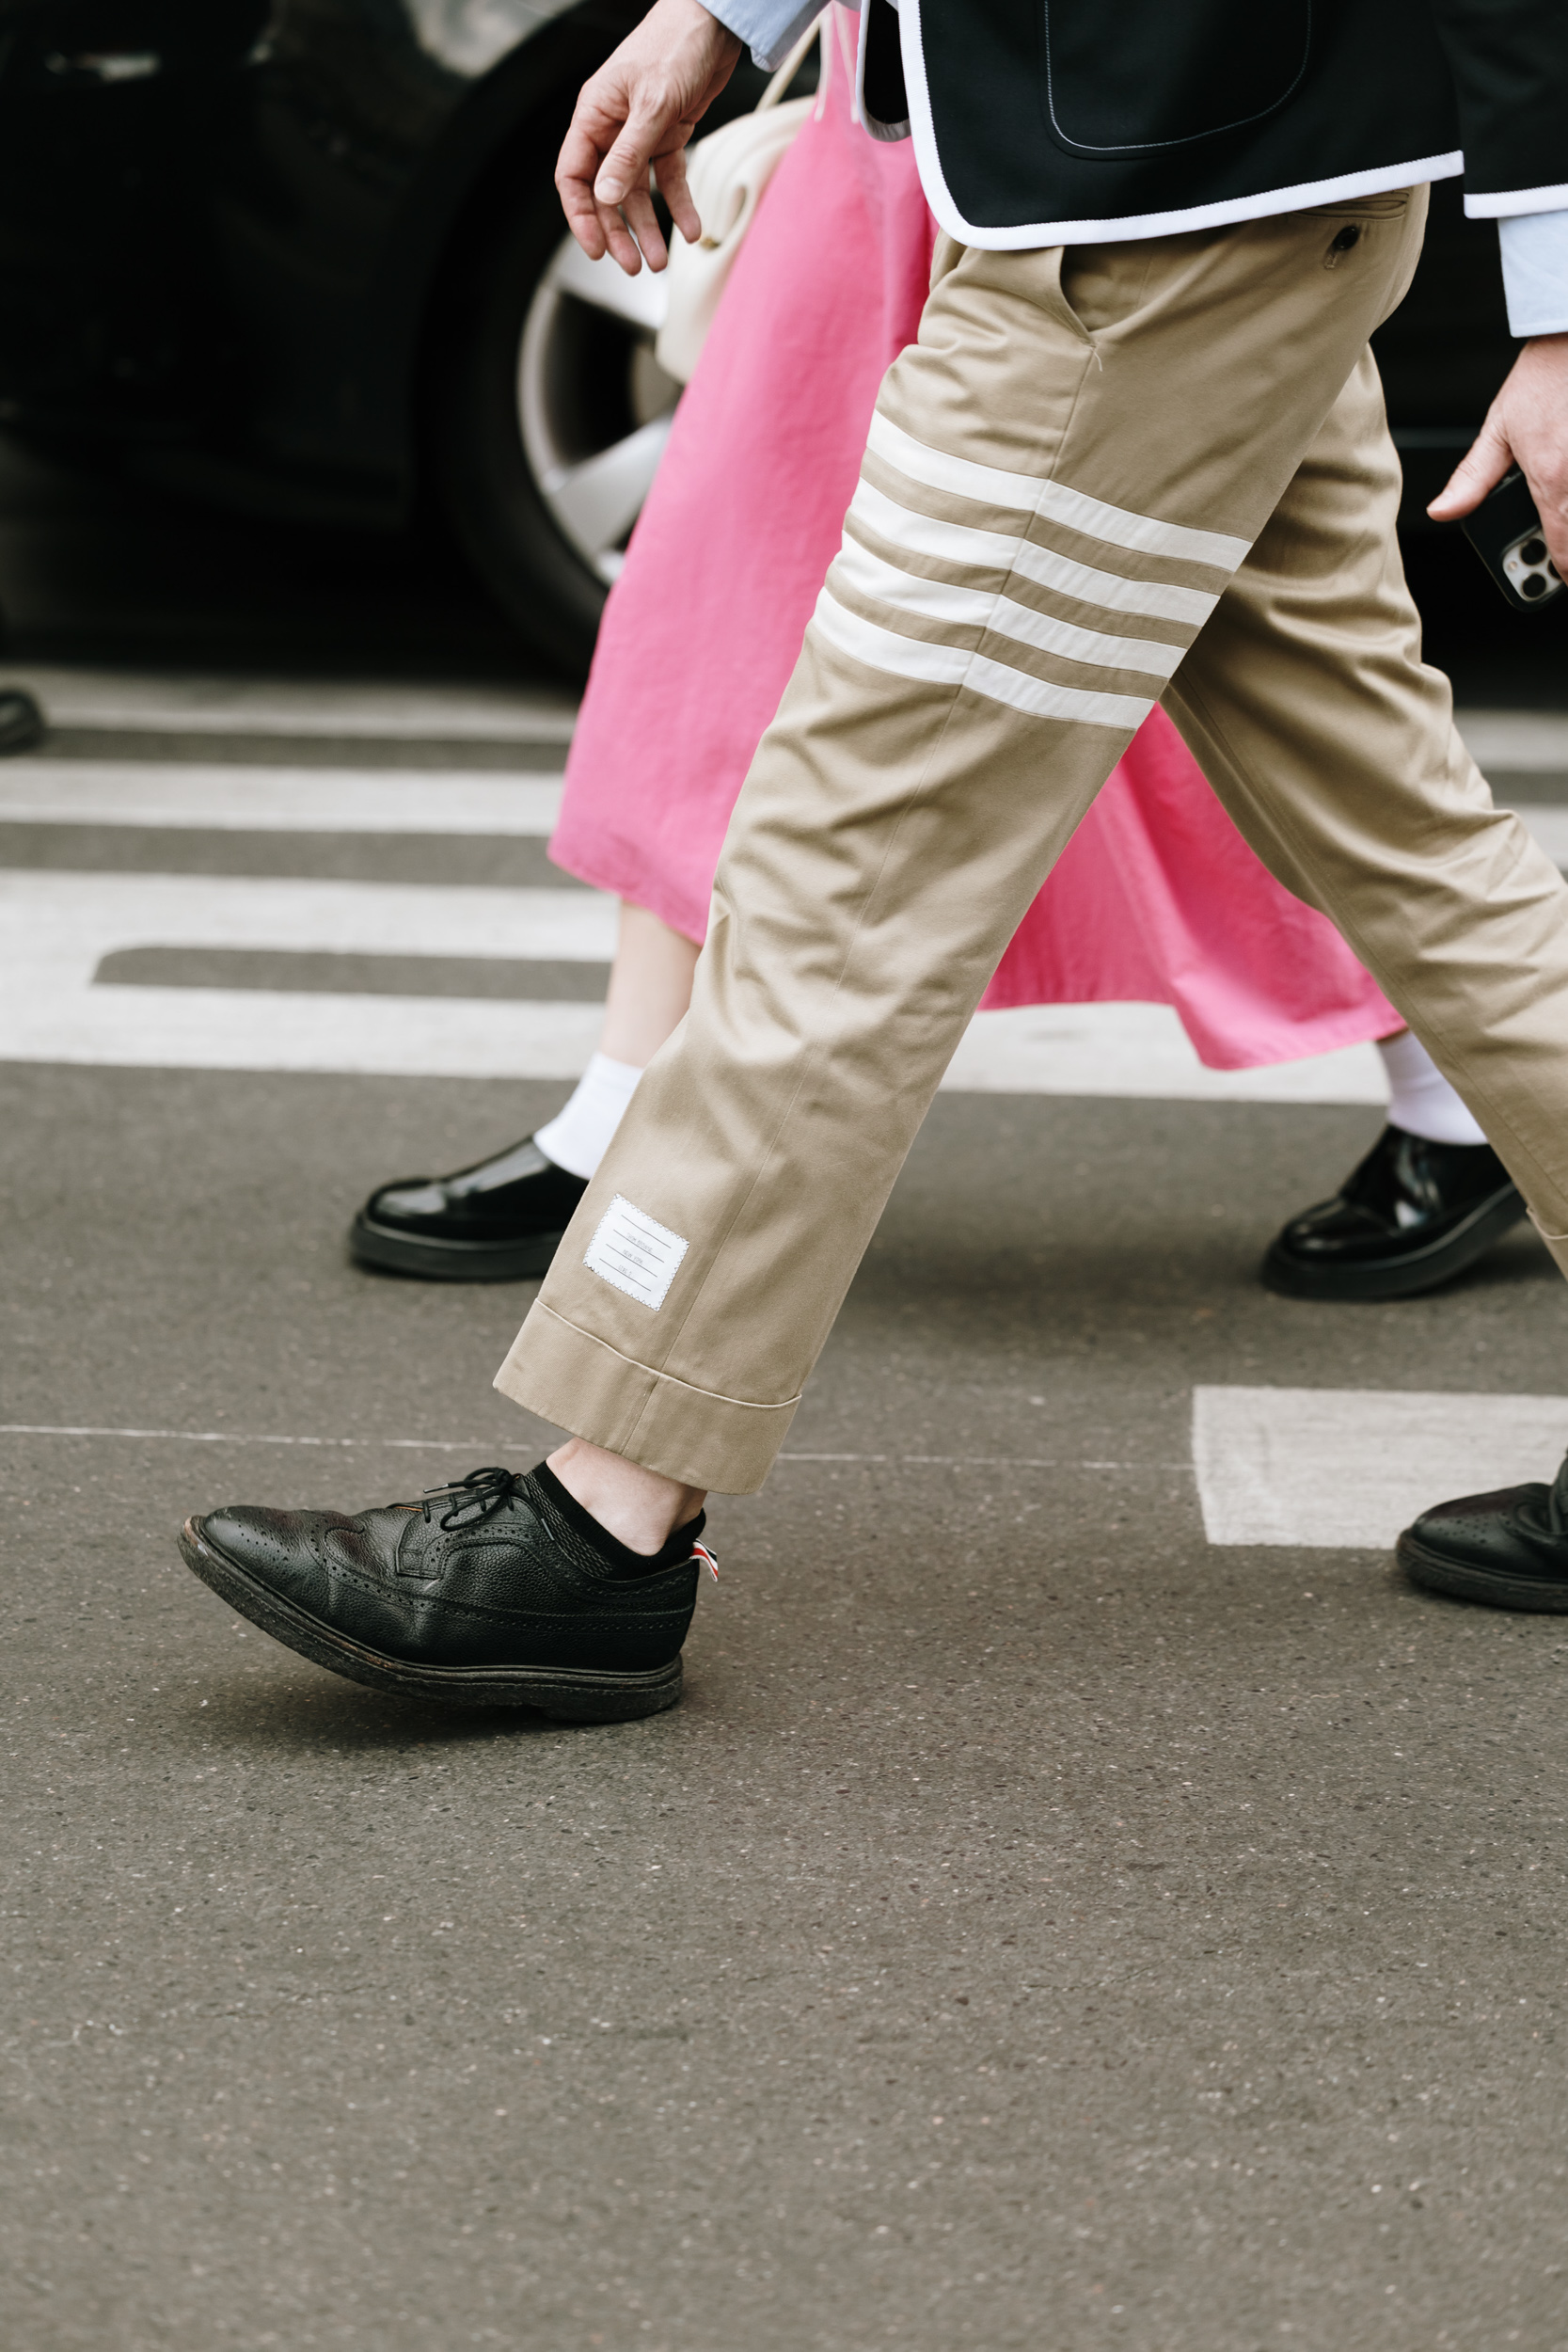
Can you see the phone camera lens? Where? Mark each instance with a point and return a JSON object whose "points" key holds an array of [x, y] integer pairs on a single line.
{"points": [[1532, 551], [1533, 586]]}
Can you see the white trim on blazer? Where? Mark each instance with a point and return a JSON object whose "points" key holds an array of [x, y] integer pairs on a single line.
{"points": [[1268, 202]]}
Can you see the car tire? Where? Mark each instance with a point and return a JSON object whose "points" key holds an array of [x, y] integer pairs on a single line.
{"points": [[549, 415]]}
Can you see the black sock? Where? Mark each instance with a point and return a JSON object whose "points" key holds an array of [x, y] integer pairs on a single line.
{"points": [[618, 1557]]}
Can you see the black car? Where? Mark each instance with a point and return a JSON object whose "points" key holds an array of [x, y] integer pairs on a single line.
{"points": [[305, 257]]}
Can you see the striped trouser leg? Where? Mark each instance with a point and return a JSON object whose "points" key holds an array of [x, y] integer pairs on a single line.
{"points": [[1063, 476], [1333, 749]]}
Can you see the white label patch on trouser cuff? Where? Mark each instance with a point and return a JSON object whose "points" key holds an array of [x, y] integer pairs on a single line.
{"points": [[639, 1256]]}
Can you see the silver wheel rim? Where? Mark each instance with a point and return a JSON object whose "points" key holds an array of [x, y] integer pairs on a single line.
{"points": [[593, 406]]}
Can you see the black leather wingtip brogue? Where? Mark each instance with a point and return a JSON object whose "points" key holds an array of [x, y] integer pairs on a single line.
{"points": [[1411, 1214], [499, 1221], [481, 1593], [1508, 1549]]}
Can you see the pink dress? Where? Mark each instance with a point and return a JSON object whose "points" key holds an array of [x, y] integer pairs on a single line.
{"points": [[1157, 898]]}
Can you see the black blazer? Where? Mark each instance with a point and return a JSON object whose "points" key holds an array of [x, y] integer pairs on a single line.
{"points": [[1041, 121]]}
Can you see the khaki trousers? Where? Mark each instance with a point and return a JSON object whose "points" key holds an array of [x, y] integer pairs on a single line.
{"points": [[1101, 476]]}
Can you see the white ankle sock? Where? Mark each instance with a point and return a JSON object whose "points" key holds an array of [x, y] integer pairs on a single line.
{"points": [[1420, 1099], [578, 1136]]}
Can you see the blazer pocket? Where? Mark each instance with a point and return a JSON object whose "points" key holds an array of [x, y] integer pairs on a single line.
{"points": [[1147, 74], [1382, 207]]}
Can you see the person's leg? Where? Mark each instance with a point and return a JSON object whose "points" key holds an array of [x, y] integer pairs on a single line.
{"points": [[1053, 499], [501, 1217], [650, 988], [1333, 749], [1422, 1102]]}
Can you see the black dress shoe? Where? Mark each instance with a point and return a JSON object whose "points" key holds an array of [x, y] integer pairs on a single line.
{"points": [[481, 1594], [1412, 1215], [22, 722], [496, 1222], [1509, 1550]]}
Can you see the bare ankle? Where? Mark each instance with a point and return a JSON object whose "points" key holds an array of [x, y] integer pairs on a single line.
{"points": [[640, 1508]]}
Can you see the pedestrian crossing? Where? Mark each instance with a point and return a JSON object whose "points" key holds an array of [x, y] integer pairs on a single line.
{"points": [[246, 875], [1321, 1469], [225, 776]]}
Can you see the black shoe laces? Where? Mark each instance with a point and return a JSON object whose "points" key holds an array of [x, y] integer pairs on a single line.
{"points": [[480, 1496]]}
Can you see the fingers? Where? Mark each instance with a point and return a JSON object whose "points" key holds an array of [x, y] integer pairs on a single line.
{"points": [[574, 174], [1553, 512], [584, 176], [643, 221], [638, 112], [619, 242], [624, 168], [1527, 426], [1477, 474], [670, 172]]}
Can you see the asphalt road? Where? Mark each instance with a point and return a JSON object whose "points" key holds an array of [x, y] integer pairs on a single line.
{"points": [[1047, 1922]]}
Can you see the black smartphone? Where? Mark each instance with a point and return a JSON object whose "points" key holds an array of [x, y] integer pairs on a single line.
{"points": [[1505, 533]]}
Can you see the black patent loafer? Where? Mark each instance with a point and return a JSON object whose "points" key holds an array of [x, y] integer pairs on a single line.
{"points": [[1508, 1549], [478, 1594], [1412, 1215], [22, 722], [499, 1221]]}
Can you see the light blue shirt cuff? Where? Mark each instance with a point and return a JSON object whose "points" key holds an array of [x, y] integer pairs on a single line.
{"points": [[1535, 272], [769, 28]]}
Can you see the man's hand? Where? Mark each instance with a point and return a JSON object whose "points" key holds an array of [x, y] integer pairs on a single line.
{"points": [[1526, 425], [640, 108]]}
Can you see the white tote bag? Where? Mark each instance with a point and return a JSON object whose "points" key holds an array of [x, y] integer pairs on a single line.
{"points": [[727, 172]]}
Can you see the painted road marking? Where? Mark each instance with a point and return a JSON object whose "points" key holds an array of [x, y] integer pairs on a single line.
{"points": [[1513, 740], [55, 926], [217, 798], [207, 703], [1352, 1466], [1129, 1051], [61, 923]]}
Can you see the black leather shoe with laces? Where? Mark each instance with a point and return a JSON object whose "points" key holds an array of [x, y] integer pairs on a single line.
{"points": [[496, 1222], [1509, 1550], [1414, 1213], [481, 1594]]}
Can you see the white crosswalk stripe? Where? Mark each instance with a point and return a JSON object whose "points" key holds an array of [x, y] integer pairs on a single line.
{"points": [[217, 798], [57, 926], [1346, 1467], [55, 930]]}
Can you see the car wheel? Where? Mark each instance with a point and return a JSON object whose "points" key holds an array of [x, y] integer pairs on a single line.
{"points": [[550, 417]]}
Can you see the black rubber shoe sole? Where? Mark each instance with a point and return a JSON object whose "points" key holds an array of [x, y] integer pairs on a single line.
{"points": [[566, 1693], [1463, 1582], [1404, 1276], [391, 1252]]}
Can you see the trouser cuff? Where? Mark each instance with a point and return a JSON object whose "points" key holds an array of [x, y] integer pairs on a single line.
{"points": [[720, 1443]]}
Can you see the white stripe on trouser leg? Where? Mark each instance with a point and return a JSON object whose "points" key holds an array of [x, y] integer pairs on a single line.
{"points": [[1116, 526], [984, 608], [954, 665], [914, 533]]}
